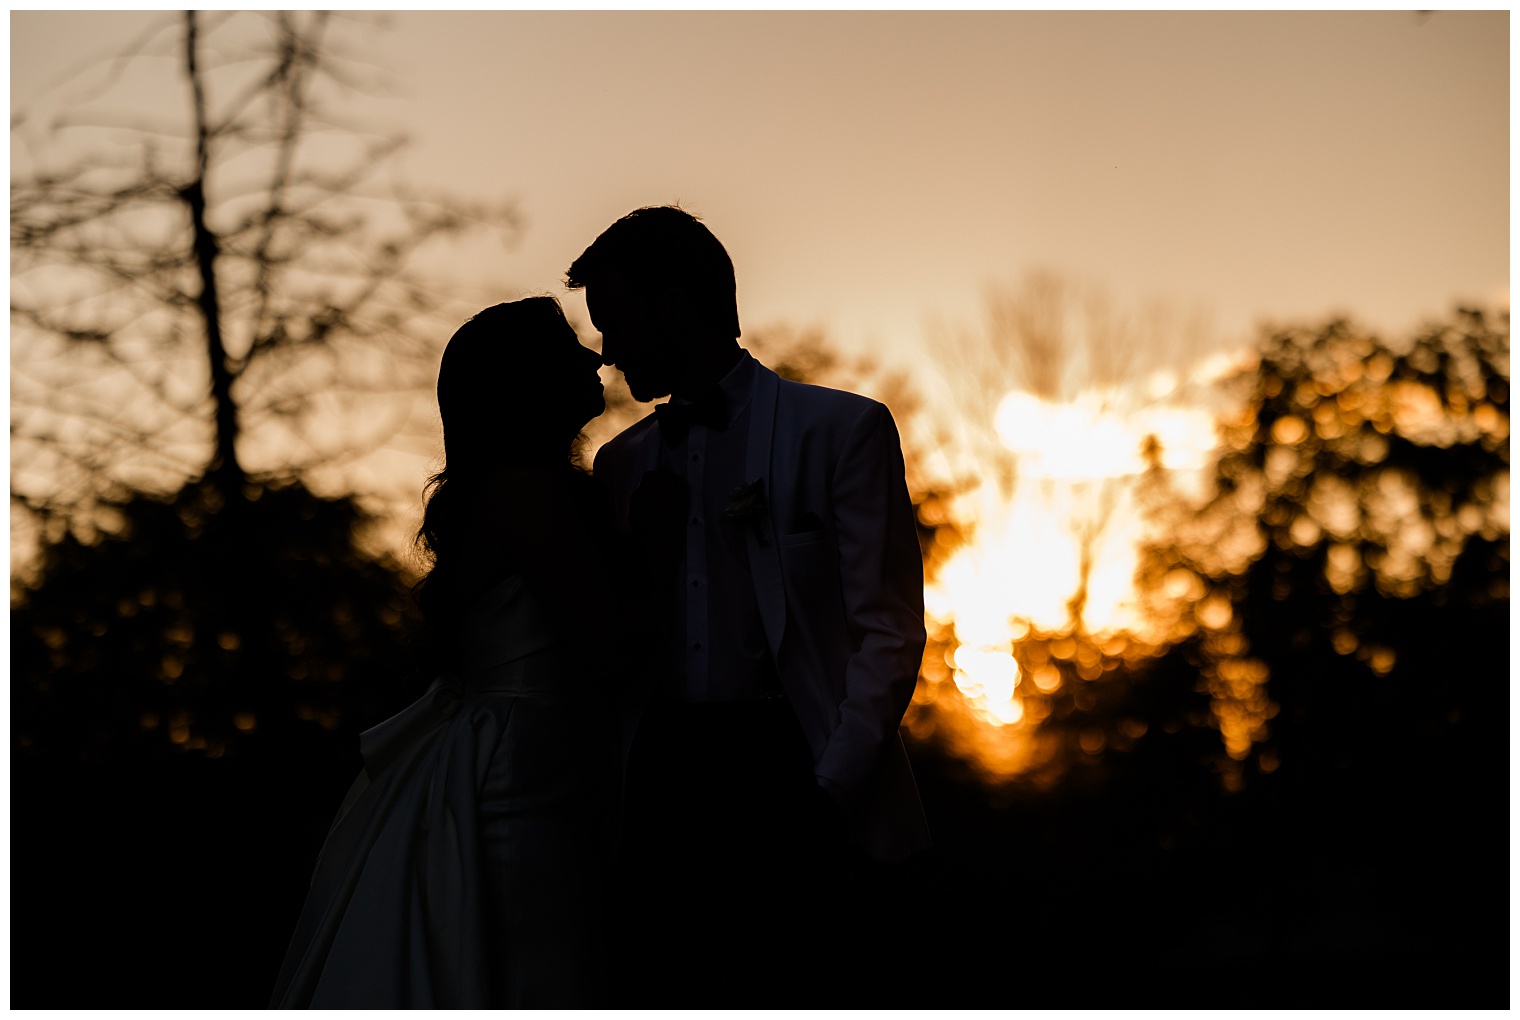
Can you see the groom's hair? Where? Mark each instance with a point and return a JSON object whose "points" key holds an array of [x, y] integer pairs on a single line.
{"points": [[661, 245]]}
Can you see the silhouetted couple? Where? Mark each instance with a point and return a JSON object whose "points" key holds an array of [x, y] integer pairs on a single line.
{"points": [[660, 764]]}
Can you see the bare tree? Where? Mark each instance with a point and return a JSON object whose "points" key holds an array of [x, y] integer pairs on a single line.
{"points": [[227, 294]]}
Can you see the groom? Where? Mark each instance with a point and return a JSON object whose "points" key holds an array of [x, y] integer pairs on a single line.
{"points": [[766, 774]]}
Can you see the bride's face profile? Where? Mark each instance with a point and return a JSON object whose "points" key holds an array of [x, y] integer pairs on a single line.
{"points": [[558, 381]]}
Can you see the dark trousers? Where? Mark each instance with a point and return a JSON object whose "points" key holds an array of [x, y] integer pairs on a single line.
{"points": [[735, 871]]}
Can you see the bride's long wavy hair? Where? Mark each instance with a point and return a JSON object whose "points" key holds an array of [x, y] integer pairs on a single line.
{"points": [[500, 407]]}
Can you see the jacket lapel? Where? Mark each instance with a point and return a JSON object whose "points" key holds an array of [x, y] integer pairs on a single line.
{"points": [[626, 469], [764, 556], [648, 456]]}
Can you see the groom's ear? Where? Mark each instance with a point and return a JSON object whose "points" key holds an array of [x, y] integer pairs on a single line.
{"points": [[677, 313]]}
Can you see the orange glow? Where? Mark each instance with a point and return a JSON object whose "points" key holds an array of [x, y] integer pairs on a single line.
{"points": [[1070, 523], [1047, 679], [1289, 431], [1344, 641], [1214, 612], [1039, 602], [1041, 596]]}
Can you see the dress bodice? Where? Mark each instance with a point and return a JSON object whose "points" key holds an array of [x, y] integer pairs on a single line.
{"points": [[509, 642], [503, 625]]}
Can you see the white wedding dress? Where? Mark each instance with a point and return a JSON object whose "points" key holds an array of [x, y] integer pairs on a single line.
{"points": [[468, 864]]}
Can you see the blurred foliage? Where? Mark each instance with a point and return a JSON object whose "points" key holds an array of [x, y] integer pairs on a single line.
{"points": [[187, 690], [1293, 791], [1080, 711], [209, 629], [1348, 579], [1348, 564]]}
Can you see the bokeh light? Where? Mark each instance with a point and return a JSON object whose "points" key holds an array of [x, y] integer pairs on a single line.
{"points": [[1086, 556]]}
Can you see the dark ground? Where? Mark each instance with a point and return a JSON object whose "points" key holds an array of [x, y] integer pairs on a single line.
{"points": [[178, 887]]}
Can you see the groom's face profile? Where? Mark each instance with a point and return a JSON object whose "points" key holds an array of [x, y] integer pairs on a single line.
{"points": [[641, 334]]}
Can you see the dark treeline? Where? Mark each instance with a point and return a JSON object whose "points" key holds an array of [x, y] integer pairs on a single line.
{"points": [[186, 697], [1351, 847], [189, 683]]}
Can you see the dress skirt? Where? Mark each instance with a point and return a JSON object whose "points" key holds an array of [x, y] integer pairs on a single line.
{"points": [[468, 863]]}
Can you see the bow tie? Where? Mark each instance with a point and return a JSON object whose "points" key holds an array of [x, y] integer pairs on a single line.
{"points": [[710, 409]]}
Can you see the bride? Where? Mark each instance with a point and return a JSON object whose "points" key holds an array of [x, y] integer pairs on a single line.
{"points": [[467, 866]]}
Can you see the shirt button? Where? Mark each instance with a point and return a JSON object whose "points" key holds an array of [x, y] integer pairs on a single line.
{"points": [[696, 584], [696, 456], [696, 520], [696, 646]]}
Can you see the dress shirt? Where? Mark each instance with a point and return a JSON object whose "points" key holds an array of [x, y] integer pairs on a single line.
{"points": [[722, 654]]}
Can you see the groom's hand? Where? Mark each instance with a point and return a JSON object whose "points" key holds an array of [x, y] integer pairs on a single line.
{"points": [[836, 795]]}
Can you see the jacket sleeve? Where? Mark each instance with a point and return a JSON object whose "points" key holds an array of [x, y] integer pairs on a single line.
{"points": [[882, 580]]}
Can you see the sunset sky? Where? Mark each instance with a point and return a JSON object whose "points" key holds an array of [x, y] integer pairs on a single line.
{"points": [[871, 172]]}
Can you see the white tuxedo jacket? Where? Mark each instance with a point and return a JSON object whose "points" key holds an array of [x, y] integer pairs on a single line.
{"points": [[842, 604]]}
